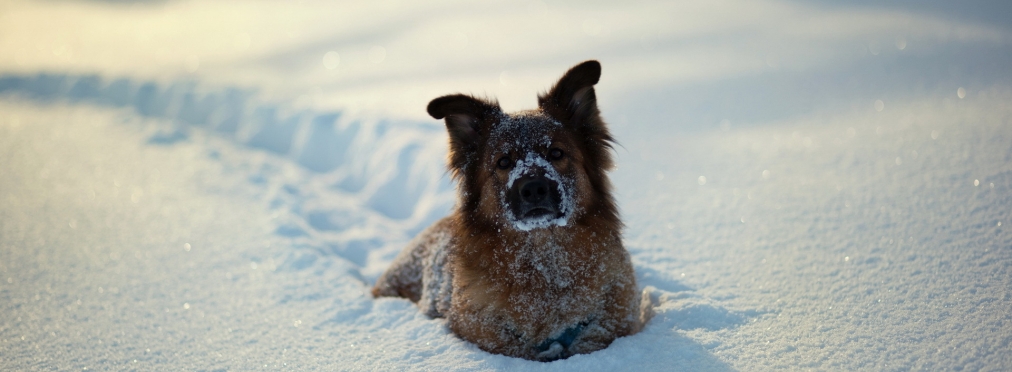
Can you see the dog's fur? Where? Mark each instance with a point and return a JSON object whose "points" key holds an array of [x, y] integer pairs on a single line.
{"points": [[531, 262]]}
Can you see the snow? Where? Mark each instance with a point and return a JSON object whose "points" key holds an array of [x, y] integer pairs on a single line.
{"points": [[216, 185]]}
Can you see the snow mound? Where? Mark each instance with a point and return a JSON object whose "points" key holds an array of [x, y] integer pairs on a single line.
{"points": [[392, 171]]}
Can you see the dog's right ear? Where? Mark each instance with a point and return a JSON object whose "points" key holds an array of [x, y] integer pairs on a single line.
{"points": [[462, 114], [466, 119]]}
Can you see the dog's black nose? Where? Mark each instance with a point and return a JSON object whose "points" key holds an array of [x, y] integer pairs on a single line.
{"points": [[534, 197], [534, 190]]}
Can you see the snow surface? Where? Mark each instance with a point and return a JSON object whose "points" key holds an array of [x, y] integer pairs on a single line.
{"points": [[216, 185]]}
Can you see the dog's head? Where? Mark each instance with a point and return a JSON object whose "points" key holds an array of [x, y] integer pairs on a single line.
{"points": [[531, 169]]}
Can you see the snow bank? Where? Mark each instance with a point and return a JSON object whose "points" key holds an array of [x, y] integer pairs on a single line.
{"points": [[380, 163]]}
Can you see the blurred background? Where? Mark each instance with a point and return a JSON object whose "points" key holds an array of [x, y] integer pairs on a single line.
{"points": [[691, 64]]}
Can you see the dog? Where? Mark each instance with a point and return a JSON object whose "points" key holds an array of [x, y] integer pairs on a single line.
{"points": [[530, 264]]}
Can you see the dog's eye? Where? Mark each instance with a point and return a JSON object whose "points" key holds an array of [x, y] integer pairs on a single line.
{"points": [[555, 154], [504, 162]]}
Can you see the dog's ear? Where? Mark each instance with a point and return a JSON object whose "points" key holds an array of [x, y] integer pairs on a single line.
{"points": [[467, 118], [572, 99], [573, 102]]}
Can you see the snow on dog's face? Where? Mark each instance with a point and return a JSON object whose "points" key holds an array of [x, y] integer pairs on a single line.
{"points": [[535, 169], [534, 180]]}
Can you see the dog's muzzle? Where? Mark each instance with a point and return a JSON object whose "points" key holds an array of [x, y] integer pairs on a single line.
{"points": [[535, 197]]}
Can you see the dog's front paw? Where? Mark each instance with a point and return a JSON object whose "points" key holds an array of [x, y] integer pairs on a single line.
{"points": [[651, 298]]}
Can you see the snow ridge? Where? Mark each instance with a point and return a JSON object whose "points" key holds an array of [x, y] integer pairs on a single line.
{"points": [[392, 172]]}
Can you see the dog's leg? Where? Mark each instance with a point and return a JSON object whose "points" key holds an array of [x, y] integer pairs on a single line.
{"points": [[621, 313], [437, 278], [405, 276]]}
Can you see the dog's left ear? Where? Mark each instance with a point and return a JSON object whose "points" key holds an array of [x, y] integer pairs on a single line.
{"points": [[572, 99]]}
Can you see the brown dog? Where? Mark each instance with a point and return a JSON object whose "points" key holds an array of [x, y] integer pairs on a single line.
{"points": [[531, 262]]}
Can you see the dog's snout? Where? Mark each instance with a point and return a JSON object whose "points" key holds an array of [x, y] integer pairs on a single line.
{"points": [[534, 191], [535, 197]]}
